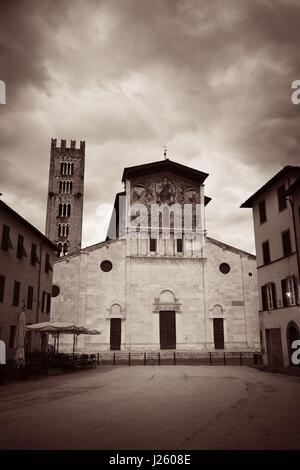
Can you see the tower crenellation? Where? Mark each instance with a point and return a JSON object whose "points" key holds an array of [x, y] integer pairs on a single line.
{"points": [[65, 195]]}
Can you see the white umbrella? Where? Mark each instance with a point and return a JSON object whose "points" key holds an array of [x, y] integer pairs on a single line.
{"points": [[64, 328], [20, 337], [57, 326]]}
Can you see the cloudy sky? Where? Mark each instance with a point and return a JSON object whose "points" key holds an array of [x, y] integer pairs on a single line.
{"points": [[211, 79]]}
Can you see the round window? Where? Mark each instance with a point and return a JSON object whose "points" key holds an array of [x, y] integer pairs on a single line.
{"points": [[55, 290], [224, 268], [106, 266]]}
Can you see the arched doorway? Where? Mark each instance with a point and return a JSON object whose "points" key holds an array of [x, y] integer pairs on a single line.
{"points": [[167, 320], [116, 316], [292, 333], [218, 326]]}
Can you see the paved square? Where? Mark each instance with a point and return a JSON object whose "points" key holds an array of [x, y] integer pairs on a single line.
{"points": [[153, 407]]}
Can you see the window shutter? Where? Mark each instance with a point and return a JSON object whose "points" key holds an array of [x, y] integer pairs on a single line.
{"points": [[2, 286], [6, 241], [34, 256], [262, 212], [21, 252], [282, 201], [266, 252], [16, 293], [48, 303], [274, 295], [296, 290], [286, 243], [29, 297], [264, 297], [284, 292], [43, 301]]}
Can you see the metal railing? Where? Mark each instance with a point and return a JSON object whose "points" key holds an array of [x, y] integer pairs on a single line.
{"points": [[179, 358], [39, 364]]}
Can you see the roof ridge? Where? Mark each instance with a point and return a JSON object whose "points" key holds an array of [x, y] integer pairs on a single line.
{"points": [[230, 247], [187, 171], [268, 183], [87, 248], [27, 224]]}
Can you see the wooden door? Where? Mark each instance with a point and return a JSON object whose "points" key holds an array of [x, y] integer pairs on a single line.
{"points": [[167, 328], [219, 333], [115, 334], [274, 347]]}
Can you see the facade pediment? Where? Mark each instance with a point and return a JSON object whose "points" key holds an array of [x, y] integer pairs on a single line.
{"points": [[175, 168]]}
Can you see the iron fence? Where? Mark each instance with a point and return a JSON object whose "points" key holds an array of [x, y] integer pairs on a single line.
{"points": [[179, 358], [41, 364]]}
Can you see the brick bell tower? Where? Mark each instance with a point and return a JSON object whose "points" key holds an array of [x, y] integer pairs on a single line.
{"points": [[65, 196]]}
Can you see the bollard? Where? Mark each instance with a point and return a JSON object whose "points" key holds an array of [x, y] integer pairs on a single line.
{"points": [[98, 359], [241, 358], [210, 359], [224, 359], [145, 359], [114, 359], [129, 360], [174, 358], [159, 359]]}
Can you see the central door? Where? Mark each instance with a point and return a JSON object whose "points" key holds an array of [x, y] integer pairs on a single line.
{"points": [[218, 333], [167, 329], [115, 334]]}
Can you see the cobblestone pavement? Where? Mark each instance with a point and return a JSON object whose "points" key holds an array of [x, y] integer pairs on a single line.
{"points": [[153, 407]]}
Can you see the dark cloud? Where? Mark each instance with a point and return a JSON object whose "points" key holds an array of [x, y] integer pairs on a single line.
{"points": [[210, 78]]}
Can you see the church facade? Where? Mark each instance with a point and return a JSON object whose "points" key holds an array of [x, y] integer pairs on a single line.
{"points": [[158, 281]]}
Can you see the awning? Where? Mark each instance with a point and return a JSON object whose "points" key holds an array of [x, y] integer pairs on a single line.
{"points": [[61, 327]]}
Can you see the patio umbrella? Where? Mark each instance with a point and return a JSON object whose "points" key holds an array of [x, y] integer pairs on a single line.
{"points": [[57, 326], [20, 337], [64, 328]]}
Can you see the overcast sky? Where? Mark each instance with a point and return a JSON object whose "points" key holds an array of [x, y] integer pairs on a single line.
{"points": [[211, 79]]}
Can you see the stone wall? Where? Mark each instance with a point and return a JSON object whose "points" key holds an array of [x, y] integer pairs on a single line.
{"points": [[137, 288]]}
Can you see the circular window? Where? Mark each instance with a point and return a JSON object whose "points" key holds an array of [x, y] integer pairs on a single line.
{"points": [[106, 266], [224, 268], [55, 290]]}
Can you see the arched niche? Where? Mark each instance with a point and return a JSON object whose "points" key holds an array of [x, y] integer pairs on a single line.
{"points": [[166, 297], [217, 310], [166, 301], [116, 311]]}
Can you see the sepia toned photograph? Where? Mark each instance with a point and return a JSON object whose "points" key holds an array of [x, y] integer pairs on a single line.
{"points": [[149, 228]]}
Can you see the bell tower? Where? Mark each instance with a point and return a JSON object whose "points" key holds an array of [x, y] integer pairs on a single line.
{"points": [[65, 196]]}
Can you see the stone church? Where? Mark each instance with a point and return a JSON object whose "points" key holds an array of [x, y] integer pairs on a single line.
{"points": [[158, 281]]}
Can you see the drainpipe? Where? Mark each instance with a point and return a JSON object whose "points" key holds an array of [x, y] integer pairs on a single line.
{"points": [[244, 299], [295, 236], [39, 284]]}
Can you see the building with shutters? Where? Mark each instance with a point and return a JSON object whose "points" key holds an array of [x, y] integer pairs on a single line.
{"points": [[276, 214], [158, 281], [26, 270]]}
